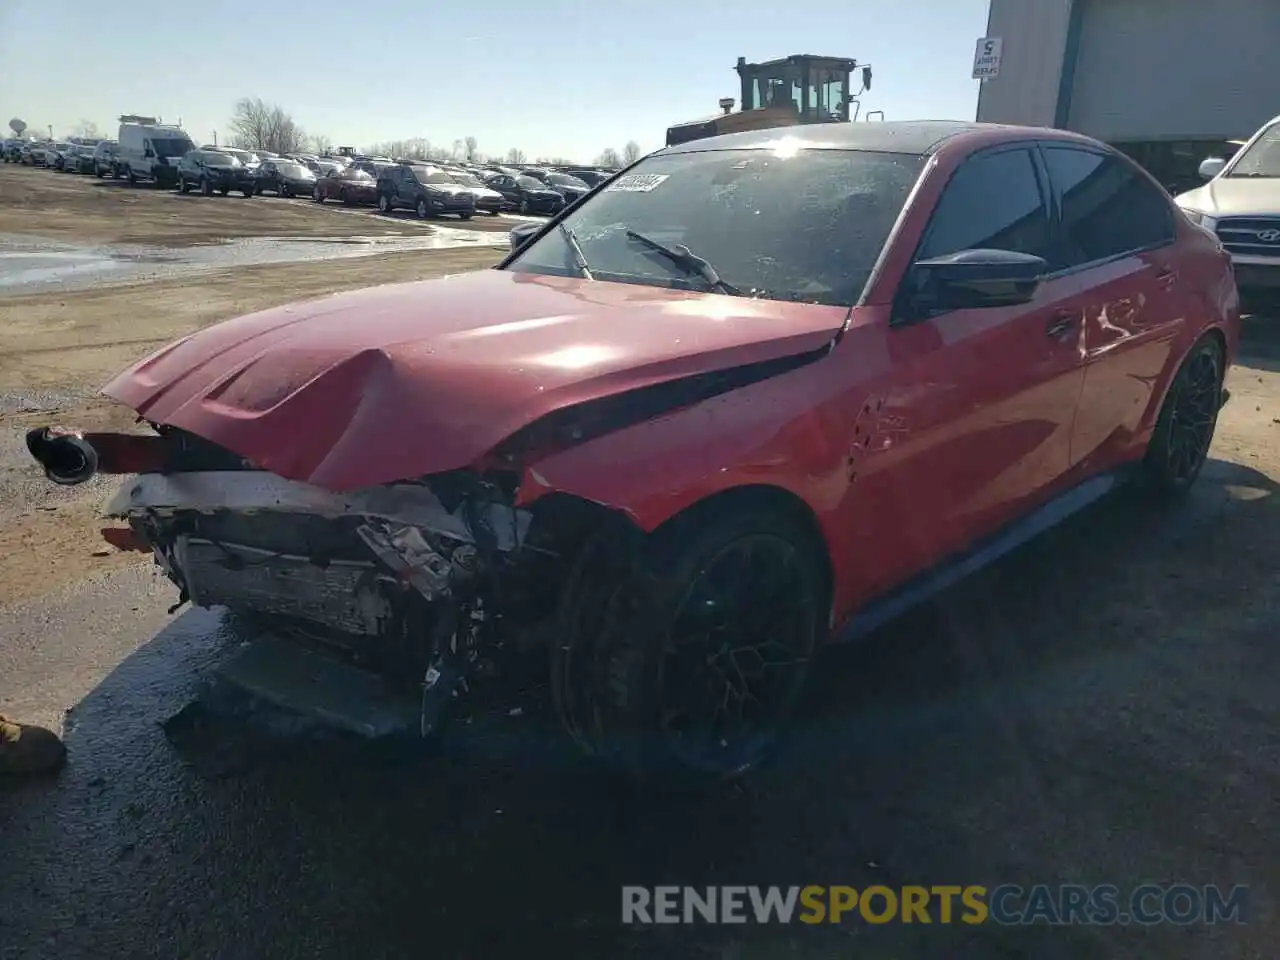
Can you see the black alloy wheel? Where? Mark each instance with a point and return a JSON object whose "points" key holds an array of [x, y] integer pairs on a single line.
{"points": [[1184, 431]]}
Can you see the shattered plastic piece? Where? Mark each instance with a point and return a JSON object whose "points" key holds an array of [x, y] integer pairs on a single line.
{"points": [[407, 552], [439, 685]]}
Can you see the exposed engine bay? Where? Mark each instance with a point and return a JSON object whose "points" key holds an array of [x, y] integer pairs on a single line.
{"points": [[424, 583]]}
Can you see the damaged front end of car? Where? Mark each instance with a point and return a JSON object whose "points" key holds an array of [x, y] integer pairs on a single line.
{"points": [[423, 583], [432, 585]]}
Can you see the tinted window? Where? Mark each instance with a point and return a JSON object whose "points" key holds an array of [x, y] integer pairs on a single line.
{"points": [[993, 201], [1108, 207], [806, 228]]}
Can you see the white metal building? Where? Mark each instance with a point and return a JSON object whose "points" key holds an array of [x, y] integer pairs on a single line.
{"points": [[1168, 81]]}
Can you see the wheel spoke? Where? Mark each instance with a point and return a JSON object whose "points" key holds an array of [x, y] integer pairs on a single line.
{"points": [[736, 651]]}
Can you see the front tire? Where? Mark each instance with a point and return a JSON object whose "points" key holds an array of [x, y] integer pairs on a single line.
{"points": [[682, 663], [1184, 431]]}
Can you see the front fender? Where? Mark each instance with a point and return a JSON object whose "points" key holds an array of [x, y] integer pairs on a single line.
{"points": [[771, 432]]}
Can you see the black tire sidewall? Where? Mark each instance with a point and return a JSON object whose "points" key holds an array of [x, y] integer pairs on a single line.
{"points": [[1156, 463], [628, 712]]}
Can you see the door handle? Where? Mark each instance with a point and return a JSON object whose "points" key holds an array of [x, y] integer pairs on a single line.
{"points": [[1167, 277], [1060, 326]]}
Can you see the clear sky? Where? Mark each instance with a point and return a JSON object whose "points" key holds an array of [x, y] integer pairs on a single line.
{"points": [[552, 77]]}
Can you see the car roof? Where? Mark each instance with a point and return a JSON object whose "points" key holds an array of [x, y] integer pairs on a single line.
{"points": [[916, 137]]}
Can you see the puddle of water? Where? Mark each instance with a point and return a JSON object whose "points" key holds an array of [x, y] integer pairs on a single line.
{"points": [[31, 266]]}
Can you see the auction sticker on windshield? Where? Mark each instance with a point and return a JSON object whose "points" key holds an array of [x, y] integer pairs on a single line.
{"points": [[636, 182]]}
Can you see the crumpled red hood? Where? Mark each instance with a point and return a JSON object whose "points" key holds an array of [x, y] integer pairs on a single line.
{"points": [[401, 381]]}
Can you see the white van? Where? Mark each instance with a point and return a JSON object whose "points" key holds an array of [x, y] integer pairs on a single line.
{"points": [[147, 150]]}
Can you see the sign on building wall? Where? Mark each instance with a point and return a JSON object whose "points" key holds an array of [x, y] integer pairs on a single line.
{"points": [[986, 58]]}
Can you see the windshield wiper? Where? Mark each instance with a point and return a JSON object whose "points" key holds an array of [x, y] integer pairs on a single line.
{"points": [[579, 258], [682, 256]]}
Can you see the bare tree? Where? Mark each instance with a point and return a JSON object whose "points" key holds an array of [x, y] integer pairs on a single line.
{"points": [[631, 152], [609, 158], [472, 154], [515, 155], [87, 129], [320, 144], [259, 125], [415, 148]]}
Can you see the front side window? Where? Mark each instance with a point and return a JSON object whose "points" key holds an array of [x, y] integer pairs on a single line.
{"points": [[805, 227], [1262, 159], [1108, 207], [170, 146], [431, 175], [992, 202]]}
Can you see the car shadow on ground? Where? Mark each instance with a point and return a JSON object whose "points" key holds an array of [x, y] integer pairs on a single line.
{"points": [[1097, 708]]}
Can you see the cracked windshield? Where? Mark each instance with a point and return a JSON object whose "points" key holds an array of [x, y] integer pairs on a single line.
{"points": [[792, 487]]}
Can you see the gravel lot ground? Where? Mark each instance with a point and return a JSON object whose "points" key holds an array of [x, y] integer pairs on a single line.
{"points": [[1099, 708]]}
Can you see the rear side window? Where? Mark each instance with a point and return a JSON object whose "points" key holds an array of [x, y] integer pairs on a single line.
{"points": [[1108, 207], [993, 201]]}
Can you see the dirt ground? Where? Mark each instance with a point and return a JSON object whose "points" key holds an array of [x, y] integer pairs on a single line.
{"points": [[57, 349], [73, 208]]}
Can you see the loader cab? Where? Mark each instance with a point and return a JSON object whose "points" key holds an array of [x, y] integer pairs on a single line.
{"points": [[781, 93], [813, 89]]}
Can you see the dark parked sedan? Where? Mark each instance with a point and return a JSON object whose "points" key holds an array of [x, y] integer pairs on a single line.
{"points": [[571, 188], [352, 185], [209, 170], [526, 194], [286, 178]]}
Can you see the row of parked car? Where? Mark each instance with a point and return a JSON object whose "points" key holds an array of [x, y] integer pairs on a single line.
{"points": [[164, 155]]}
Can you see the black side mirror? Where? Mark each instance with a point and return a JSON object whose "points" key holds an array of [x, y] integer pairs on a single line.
{"points": [[970, 280]]}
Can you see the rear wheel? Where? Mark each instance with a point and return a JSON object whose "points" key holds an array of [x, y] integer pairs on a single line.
{"points": [[224, 190], [1184, 430], [684, 662], [464, 216]]}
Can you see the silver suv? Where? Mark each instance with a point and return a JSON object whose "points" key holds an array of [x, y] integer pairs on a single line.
{"points": [[1241, 204]]}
